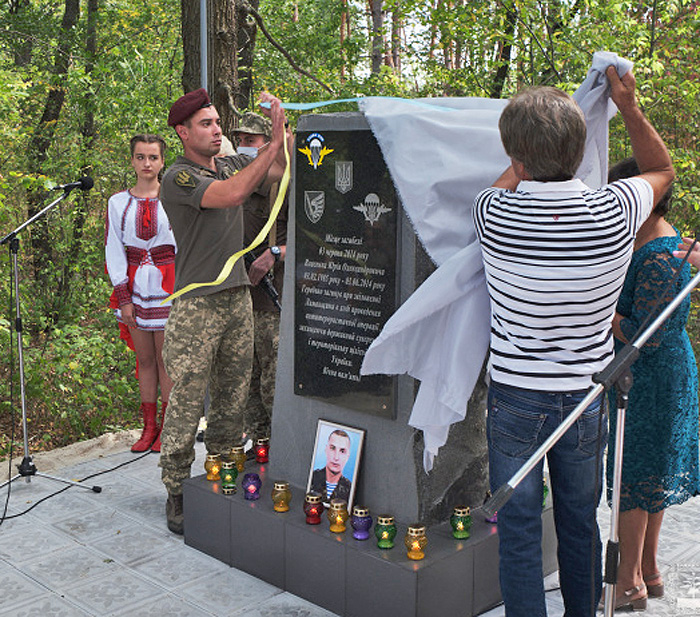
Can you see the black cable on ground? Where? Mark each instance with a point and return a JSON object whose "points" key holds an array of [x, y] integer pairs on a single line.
{"points": [[65, 488]]}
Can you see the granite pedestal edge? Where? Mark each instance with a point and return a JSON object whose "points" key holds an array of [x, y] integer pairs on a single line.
{"points": [[349, 577]]}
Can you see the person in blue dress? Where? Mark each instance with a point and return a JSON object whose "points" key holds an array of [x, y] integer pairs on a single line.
{"points": [[660, 453]]}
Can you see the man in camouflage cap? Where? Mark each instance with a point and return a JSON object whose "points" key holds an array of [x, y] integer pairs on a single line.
{"points": [[208, 337], [253, 133]]}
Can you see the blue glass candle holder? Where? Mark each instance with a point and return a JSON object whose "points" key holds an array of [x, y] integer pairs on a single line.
{"points": [[361, 522]]}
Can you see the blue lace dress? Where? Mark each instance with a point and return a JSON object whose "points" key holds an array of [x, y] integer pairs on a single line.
{"points": [[660, 454]]}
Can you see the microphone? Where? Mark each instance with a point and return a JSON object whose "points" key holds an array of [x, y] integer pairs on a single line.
{"points": [[84, 184]]}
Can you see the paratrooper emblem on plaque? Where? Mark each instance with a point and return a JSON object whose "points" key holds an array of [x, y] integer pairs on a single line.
{"points": [[372, 208], [343, 176], [314, 205], [315, 150]]}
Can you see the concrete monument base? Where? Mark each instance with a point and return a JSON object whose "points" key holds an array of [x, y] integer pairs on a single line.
{"points": [[349, 577]]}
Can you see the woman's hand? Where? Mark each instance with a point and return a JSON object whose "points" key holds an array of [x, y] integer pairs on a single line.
{"points": [[128, 315], [684, 247]]}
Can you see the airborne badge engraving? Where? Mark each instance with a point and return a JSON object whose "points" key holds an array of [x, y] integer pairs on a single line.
{"points": [[315, 150], [185, 179], [314, 204], [372, 208], [343, 176]]}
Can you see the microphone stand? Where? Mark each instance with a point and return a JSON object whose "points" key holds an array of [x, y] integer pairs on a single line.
{"points": [[617, 373], [27, 468]]}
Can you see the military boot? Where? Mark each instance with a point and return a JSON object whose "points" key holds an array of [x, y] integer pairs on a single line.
{"points": [[174, 514]]}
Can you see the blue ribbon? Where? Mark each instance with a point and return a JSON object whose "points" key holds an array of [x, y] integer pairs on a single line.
{"points": [[317, 104]]}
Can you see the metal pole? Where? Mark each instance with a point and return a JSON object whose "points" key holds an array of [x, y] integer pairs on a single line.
{"points": [[203, 68]]}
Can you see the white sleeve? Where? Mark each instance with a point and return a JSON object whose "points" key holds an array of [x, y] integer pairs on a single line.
{"points": [[115, 253], [636, 196]]}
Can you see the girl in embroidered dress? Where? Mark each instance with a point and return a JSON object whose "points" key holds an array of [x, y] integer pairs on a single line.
{"points": [[140, 259]]}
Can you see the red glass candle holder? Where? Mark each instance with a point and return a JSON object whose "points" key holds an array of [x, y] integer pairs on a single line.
{"points": [[313, 508], [262, 450]]}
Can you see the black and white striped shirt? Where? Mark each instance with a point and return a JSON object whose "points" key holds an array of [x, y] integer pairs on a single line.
{"points": [[555, 256]]}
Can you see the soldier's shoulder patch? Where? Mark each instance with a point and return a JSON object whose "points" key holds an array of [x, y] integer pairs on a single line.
{"points": [[185, 179]]}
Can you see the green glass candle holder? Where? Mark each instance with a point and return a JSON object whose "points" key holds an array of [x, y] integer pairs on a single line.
{"points": [[229, 473], [385, 531], [461, 522]]}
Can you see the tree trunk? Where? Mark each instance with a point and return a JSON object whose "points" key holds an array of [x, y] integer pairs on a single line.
{"points": [[79, 210], [503, 55], [344, 36], [377, 15], [247, 31], [396, 30], [43, 137], [224, 85], [231, 42], [22, 48], [191, 79]]}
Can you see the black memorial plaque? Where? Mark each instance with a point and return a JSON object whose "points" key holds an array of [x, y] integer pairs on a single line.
{"points": [[345, 268]]}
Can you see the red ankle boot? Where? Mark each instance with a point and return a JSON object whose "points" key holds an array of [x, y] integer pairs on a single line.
{"points": [[150, 428], [156, 444]]}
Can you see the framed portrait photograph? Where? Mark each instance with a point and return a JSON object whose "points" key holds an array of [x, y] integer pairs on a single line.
{"points": [[335, 462]]}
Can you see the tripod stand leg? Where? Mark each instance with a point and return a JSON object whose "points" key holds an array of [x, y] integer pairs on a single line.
{"points": [[10, 481], [612, 553], [26, 468], [94, 489]]}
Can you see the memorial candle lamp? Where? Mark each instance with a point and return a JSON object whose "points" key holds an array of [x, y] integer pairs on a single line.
{"points": [[461, 522], [212, 465], [385, 531], [313, 508], [337, 515], [238, 457], [415, 541], [262, 450], [281, 496], [229, 473], [361, 522], [251, 486]]}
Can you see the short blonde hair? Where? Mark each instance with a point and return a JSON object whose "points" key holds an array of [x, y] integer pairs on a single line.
{"points": [[544, 129], [227, 148]]}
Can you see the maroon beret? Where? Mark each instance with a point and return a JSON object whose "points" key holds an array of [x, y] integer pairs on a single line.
{"points": [[186, 105]]}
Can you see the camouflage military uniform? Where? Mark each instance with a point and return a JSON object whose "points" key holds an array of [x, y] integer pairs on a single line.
{"points": [[261, 394], [266, 315], [208, 342], [208, 338]]}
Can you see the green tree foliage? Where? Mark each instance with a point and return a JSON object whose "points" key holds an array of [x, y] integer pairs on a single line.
{"points": [[117, 75], [79, 378]]}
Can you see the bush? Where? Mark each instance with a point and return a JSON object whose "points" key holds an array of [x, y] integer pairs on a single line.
{"points": [[80, 384]]}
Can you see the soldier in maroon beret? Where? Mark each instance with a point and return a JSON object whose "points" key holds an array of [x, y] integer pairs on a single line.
{"points": [[209, 335]]}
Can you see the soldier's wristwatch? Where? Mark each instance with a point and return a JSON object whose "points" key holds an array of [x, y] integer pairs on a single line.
{"points": [[276, 252]]}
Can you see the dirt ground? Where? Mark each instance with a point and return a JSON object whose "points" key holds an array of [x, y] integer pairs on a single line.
{"points": [[50, 461]]}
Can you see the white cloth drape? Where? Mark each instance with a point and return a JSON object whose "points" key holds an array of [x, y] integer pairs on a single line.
{"points": [[439, 159]]}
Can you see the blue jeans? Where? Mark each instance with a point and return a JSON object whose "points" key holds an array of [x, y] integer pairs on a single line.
{"points": [[519, 421]]}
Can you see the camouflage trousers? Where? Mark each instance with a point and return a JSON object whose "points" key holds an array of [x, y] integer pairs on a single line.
{"points": [[208, 342], [261, 393]]}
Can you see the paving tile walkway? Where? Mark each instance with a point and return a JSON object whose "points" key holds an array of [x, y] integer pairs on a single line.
{"points": [[81, 554]]}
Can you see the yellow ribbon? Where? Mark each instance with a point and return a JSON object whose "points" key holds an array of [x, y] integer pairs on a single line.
{"points": [[228, 266]]}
